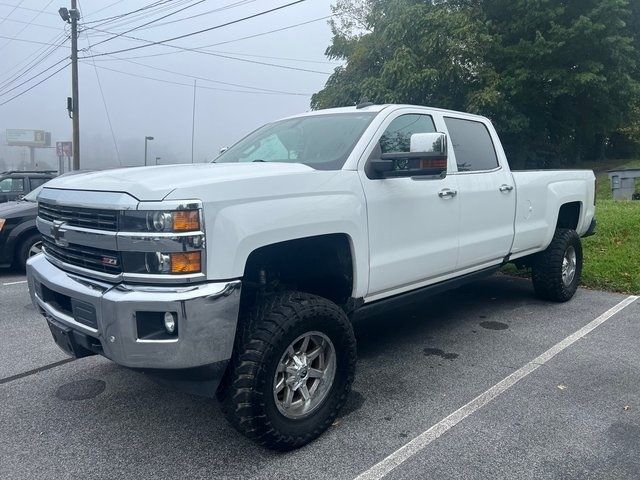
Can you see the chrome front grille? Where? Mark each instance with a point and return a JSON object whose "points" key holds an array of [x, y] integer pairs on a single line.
{"points": [[93, 218], [98, 259]]}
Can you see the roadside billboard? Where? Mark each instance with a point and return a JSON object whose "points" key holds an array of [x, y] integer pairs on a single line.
{"points": [[64, 149], [17, 137]]}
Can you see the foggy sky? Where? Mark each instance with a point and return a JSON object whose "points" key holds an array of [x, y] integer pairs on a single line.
{"points": [[140, 107]]}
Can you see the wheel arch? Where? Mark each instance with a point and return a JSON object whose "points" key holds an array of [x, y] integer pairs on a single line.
{"points": [[323, 265], [20, 233], [569, 215]]}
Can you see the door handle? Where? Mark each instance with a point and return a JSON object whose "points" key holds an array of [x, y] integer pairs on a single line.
{"points": [[446, 193], [506, 188]]}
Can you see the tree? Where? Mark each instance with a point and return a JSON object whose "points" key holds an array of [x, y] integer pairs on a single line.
{"points": [[557, 77]]}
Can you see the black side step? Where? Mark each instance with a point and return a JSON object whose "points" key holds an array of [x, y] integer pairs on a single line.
{"points": [[387, 304]]}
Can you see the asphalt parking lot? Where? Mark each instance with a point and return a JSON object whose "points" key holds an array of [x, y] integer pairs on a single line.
{"points": [[572, 412]]}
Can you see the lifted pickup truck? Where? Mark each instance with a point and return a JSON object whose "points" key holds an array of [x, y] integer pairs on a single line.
{"points": [[241, 277]]}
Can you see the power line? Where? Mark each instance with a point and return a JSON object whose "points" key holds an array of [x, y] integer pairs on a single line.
{"points": [[286, 59], [36, 58], [126, 19], [27, 41], [188, 84], [105, 7], [27, 25], [236, 39], [15, 7], [195, 77], [206, 52], [104, 102], [7, 19], [34, 76], [121, 15], [226, 7], [179, 37], [148, 23], [27, 68], [35, 85]]}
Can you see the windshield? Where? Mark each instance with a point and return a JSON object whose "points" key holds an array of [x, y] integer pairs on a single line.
{"points": [[31, 196], [322, 142]]}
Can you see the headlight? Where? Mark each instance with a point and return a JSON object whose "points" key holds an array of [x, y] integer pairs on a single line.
{"points": [[158, 263], [160, 221], [2, 220]]}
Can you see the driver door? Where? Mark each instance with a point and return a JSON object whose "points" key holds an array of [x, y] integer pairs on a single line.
{"points": [[413, 221]]}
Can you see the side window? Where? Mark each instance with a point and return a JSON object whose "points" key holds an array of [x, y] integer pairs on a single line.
{"points": [[36, 182], [14, 185], [472, 145], [397, 136]]}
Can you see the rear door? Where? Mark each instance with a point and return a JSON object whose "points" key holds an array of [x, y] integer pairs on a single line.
{"points": [[486, 192]]}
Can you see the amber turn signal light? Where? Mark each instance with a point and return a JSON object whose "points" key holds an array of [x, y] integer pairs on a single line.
{"points": [[186, 220], [185, 262]]}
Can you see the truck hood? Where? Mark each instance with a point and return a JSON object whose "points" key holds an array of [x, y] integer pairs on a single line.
{"points": [[155, 183]]}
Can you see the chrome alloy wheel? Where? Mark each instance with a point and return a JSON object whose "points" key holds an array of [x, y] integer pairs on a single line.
{"points": [[569, 263], [35, 249], [304, 375]]}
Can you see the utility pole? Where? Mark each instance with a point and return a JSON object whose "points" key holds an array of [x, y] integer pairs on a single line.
{"points": [[72, 16], [74, 85], [193, 119]]}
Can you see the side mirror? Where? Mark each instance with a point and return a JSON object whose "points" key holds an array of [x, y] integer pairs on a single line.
{"points": [[427, 157]]}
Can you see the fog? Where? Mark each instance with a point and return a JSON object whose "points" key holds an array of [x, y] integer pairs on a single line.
{"points": [[140, 107]]}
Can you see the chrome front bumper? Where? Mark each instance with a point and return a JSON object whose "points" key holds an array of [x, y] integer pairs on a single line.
{"points": [[206, 316]]}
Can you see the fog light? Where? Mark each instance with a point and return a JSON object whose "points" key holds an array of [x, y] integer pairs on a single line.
{"points": [[170, 322]]}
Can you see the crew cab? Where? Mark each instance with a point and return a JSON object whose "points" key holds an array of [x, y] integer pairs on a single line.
{"points": [[241, 278]]}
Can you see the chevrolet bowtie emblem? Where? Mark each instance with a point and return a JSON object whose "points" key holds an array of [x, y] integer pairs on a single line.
{"points": [[57, 233]]}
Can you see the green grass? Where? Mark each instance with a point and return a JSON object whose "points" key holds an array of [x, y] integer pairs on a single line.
{"points": [[612, 256]]}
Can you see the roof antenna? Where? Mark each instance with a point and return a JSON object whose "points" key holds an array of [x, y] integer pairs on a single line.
{"points": [[364, 103]]}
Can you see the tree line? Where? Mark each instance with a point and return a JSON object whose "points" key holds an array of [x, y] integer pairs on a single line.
{"points": [[560, 79]]}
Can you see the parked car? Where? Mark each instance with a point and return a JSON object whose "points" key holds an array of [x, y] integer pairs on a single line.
{"points": [[19, 236], [17, 183], [241, 277]]}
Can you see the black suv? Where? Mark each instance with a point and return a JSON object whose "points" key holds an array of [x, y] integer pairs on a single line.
{"points": [[17, 183]]}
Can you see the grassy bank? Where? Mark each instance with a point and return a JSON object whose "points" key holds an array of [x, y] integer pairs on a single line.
{"points": [[612, 256]]}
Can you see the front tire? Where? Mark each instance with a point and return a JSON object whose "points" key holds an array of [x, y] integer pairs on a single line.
{"points": [[292, 370], [30, 246], [557, 271]]}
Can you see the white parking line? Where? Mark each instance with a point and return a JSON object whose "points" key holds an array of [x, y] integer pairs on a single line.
{"points": [[405, 452], [14, 283]]}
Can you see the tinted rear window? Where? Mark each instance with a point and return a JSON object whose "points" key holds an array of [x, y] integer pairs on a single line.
{"points": [[472, 145]]}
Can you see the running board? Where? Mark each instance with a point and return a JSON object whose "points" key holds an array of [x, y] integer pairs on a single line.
{"points": [[387, 304]]}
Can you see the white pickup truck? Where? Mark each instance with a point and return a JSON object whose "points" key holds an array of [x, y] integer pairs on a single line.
{"points": [[241, 277]]}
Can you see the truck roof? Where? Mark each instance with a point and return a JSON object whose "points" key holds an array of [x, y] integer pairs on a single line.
{"points": [[378, 108], [30, 173]]}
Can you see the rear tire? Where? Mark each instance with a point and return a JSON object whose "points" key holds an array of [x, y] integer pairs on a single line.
{"points": [[32, 245], [557, 271], [282, 328]]}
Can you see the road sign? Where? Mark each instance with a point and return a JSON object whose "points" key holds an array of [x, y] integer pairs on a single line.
{"points": [[28, 138], [64, 149]]}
